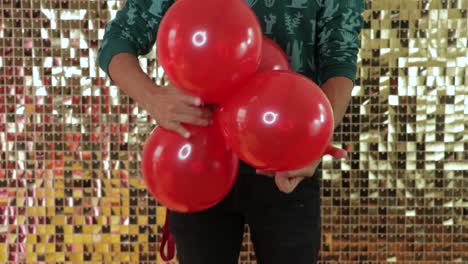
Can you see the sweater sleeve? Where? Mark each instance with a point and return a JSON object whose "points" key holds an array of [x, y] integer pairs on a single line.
{"points": [[339, 25], [133, 30]]}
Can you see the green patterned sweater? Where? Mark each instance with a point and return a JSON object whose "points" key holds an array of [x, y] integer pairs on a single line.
{"points": [[320, 37]]}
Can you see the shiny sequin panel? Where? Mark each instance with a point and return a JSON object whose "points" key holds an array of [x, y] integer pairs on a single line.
{"points": [[70, 142]]}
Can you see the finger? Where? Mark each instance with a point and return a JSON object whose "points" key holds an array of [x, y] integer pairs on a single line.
{"points": [[187, 98], [189, 119], [287, 184], [178, 128], [295, 181], [283, 184], [194, 111], [265, 173]]}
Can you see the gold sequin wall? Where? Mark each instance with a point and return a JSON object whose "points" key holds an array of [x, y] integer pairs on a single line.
{"points": [[70, 142]]}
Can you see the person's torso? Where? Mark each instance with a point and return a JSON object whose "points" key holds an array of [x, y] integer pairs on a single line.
{"points": [[292, 24]]}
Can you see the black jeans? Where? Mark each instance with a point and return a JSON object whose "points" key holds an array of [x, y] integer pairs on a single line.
{"points": [[285, 228]]}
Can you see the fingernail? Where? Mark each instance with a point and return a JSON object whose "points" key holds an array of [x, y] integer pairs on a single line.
{"points": [[186, 134], [198, 102]]}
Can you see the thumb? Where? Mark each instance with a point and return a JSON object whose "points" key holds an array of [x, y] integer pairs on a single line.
{"points": [[287, 184]]}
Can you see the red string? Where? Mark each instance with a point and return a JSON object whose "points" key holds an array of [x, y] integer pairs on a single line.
{"points": [[167, 240]]}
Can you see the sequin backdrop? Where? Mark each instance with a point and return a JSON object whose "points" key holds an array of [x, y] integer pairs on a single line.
{"points": [[70, 142]]}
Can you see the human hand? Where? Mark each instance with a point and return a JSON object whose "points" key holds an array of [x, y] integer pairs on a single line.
{"points": [[287, 181], [170, 106]]}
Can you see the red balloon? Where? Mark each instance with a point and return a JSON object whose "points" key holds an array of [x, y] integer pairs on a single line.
{"points": [[188, 175], [273, 57], [208, 48], [279, 121]]}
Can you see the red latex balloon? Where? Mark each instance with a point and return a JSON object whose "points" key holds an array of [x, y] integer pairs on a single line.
{"points": [[273, 57], [188, 175], [279, 121], [209, 47]]}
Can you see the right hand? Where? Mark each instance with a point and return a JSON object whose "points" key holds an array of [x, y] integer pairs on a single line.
{"points": [[171, 106]]}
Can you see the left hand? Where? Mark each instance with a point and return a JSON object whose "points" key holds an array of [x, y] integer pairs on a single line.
{"points": [[287, 181]]}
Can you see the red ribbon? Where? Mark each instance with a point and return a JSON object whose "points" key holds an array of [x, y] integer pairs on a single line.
{"points": [[167, 240]]}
